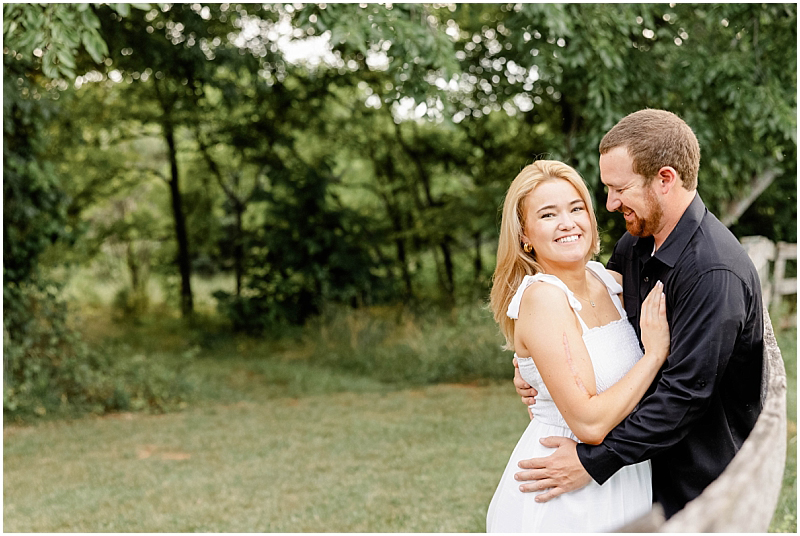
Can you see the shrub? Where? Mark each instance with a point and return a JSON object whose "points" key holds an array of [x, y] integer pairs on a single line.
{"points": [[129, 303], [392, 344], [49, 369]]}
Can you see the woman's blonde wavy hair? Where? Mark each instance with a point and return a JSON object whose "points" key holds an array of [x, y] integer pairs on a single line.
{"points": [[513, 264]]}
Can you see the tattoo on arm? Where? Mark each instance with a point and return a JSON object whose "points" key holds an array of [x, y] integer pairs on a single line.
{"points": [[572, 365]]}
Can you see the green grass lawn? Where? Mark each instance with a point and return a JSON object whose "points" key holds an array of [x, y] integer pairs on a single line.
{"points": [[275, 440], [405, 461], [421, 460]]}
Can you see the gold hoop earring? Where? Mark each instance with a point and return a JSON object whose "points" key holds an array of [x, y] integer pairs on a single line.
{"points": [[527, 248]]}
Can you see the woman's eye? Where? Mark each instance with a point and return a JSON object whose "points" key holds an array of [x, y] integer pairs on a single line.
{"points": [[547, 215], [577, 209]]}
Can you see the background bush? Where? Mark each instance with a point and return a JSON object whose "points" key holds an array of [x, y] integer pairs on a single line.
{"points": [[396, 345], [49, 369]]}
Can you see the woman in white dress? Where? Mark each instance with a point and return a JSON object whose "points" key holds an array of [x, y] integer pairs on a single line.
{"points": [[561, 313]]}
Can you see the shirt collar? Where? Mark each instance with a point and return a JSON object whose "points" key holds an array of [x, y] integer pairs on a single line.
{"points": [[679, 238]]}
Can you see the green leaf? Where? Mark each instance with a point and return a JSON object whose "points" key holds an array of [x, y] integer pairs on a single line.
{"points": [[89, 19], [65, 57], [122, 9], [49, 70], [94, 45]]}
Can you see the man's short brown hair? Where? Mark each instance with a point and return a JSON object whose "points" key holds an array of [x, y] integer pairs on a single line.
{"points": [[654, 139]]}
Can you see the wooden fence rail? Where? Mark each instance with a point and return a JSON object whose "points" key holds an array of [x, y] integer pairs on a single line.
{"points": [[744, 497], [765, 255]]}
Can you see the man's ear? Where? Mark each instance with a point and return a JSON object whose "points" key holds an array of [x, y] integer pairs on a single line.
{"points": [[667, 179]]}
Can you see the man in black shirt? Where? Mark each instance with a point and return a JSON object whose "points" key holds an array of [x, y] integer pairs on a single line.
{"points": [[706, 399]]}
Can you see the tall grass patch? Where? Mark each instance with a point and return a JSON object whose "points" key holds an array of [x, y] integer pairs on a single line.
{"points": [[345, 349], [393, 344]]}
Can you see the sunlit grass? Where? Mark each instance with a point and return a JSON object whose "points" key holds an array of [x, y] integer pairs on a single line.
{"points": [[422, 460]]}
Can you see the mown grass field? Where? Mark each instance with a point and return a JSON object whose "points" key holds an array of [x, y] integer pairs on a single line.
{"points": [[404, 461], [294, 434]]}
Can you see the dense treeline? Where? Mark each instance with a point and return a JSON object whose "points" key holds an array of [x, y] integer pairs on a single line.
{"points": [[189, 138]]}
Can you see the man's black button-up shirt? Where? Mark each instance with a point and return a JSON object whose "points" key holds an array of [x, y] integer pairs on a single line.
{"points": [[706, 398]]}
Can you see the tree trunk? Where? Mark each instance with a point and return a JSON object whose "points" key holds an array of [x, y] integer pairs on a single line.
{"points": [[478, 260], [238, 250], [385, 170], [449, 283], [133, 266], [184, 261], [401, 259], [736, 207]]}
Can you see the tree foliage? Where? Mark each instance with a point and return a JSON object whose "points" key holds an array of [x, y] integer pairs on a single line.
{"points": [[579, 68], [192, 137], [46, 365], [53, 35]]}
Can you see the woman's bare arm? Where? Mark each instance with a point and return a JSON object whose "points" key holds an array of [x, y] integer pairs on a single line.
{"points": [[549, 332]]}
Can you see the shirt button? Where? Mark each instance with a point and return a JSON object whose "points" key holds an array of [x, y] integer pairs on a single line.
{"points": [[647, 279]]}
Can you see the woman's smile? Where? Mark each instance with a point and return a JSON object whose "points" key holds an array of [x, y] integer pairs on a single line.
{"points": [[568, 239], [556, 223]]}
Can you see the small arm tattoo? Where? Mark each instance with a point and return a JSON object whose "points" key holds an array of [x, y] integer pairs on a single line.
{"points": [[572, 365]]}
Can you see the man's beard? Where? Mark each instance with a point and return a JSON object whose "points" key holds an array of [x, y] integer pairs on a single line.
{"points": [[646, 226]]}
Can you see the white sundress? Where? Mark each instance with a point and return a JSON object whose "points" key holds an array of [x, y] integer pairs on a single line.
{"points": [[627, 495]]}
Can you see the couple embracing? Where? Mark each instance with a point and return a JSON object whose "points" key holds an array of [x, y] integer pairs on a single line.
{"points": [[642, 377]]}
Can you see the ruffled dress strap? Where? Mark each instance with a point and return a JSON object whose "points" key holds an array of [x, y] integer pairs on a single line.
{"points": [[528, 280], [614, 288]]}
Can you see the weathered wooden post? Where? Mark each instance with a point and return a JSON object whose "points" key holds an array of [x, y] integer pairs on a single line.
{"points": [[774, 283], [782, 285], [761, 251]]}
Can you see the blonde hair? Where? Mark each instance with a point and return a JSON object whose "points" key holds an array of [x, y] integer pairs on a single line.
{"points": [[513, 264]]}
